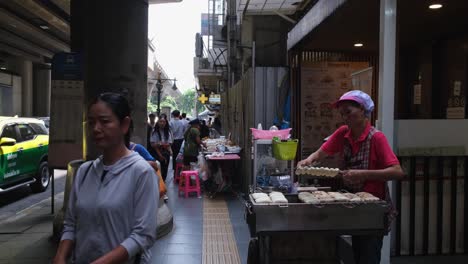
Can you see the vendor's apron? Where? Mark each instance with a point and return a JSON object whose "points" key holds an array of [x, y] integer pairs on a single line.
{"points": [[360, 161]]}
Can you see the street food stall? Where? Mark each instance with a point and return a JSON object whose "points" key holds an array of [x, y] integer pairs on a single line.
{"points": [[308, 219], [220, 159], [304, 223]]}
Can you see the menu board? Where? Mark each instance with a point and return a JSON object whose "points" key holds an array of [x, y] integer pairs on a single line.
{"points": [[322, 83]]}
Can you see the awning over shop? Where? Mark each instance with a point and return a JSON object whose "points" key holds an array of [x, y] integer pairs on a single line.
{"points": [[312, 19]]}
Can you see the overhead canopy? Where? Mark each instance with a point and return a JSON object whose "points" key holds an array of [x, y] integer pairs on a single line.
{"points": [[268, 7], [336, 25], [35, 30], [163, 1]]}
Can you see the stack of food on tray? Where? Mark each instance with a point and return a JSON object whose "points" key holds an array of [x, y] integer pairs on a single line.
{"points": [[273, 197], [317, 197]]}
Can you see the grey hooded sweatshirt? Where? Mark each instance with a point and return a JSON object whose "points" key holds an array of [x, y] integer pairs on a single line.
{"points": [[115, 208]]}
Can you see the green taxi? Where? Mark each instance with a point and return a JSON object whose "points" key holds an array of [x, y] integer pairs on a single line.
{"points": [[24, 146]]}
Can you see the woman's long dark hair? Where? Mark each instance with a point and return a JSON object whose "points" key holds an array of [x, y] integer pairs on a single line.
{"points": [[165, 129], [119, 106]]}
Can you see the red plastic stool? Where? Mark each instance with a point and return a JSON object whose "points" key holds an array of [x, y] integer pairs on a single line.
{"points": [[186, 187], [178, 169]]}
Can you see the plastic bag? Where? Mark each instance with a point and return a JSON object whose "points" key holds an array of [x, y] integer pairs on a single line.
{"points": [[282, 182], [202, 165]]}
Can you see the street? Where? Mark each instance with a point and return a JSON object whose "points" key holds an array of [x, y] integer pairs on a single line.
{"points": [[17, 200]]}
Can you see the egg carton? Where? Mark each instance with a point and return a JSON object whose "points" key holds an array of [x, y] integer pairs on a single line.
{"points": [[317, 171]]}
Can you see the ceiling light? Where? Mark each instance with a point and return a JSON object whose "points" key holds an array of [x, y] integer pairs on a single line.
{"points": [[435, 6], [44, 26], [358, 45], [2, 68]]}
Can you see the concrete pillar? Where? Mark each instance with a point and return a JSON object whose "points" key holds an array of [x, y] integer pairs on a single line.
{"points": [[17, 96], [387, 71], [41, 98], [25, 68], [113, 36]]}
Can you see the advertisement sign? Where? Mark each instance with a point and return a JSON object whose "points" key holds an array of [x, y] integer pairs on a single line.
{"points": [[208, 22], [214, 99]]}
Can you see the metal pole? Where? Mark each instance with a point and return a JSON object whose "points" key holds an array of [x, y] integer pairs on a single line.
{"points": [[196, 105], [159, 90], [387, 66], [52, 189]]}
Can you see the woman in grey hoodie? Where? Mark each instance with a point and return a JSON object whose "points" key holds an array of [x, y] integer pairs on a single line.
{"points": [[111, 216]]}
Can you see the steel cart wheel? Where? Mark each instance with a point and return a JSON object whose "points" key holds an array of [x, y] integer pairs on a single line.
{"points": [[252, 255]]}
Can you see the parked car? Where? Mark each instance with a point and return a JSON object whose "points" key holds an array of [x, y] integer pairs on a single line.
{"points": [[24, 146], [46, 120]]}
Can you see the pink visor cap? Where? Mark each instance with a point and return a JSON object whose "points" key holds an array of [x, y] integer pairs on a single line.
{"points": [[359, 97]]}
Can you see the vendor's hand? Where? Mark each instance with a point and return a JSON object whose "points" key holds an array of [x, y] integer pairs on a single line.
{"points": [[305, 162], [352, 176]]}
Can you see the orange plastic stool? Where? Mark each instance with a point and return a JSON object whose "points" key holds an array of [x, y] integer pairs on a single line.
{"points": [[186, 187], [178, 169]]}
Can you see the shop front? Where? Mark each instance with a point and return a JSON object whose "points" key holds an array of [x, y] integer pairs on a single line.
{"points": [[412, 59]]}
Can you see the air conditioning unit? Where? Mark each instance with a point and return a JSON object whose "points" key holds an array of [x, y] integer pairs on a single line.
{"points": [[200, 64]]}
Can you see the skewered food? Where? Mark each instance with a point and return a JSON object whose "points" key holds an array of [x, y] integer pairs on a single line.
{"points": [[365, 196], [322, 196], [338, 197], [352, 197], [308, 198]]}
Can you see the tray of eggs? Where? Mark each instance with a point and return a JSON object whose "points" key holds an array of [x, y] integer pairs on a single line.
{"points": [[317, 171]]}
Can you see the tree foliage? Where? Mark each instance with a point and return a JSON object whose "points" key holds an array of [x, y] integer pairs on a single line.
{"points": [[185, 103]]}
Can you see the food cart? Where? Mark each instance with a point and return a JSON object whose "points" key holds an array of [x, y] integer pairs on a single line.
{"points": [[309, 232], [326, 221]]}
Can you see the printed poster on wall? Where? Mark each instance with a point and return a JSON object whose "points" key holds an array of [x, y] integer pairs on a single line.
{"points": [[322, 84]]}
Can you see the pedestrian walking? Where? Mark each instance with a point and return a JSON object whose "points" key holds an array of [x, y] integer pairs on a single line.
{"points": [[161, 141], [111, 215], [178, 128], [192, 143]]}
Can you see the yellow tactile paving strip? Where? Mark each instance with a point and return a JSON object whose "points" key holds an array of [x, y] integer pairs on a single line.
{"points": [[219, 242]]}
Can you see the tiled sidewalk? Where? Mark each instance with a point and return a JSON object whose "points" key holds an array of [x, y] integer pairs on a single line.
{"points": [[185, 243]]}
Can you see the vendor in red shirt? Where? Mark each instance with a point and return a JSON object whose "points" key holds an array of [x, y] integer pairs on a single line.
{"points": [[369, 161]]}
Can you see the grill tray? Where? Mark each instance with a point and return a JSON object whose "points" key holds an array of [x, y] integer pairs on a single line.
{"points": [[342, 218]]}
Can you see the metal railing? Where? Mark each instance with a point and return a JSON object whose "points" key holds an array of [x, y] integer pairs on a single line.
{"points": [[433, 206], [217, 58]]}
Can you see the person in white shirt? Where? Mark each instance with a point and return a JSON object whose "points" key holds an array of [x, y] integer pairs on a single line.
{"points": [[178, 129]]}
